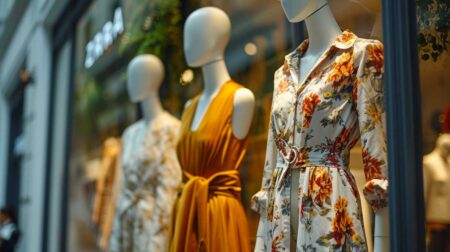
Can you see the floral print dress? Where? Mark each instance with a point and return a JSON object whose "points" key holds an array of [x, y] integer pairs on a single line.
{"points": [[313, 126], [151, 179]]}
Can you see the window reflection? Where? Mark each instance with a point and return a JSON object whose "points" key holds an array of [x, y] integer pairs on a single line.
{"points": [[433, 21]]}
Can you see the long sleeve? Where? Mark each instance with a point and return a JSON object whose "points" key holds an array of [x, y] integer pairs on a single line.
{"points": [[100, 192], [259, 200], [104, 205], [114, 235], [169, 180], [368, 95], [115, 186]]}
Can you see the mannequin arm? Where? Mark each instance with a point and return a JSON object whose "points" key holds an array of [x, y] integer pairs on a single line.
{"points": [[369, 99], [260, 199], [382, 240], [259, 245], [243, 108]]}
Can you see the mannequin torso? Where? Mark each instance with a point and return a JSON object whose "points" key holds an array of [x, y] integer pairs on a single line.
{"points": [[322, 30], [210, 181], [437, 182]]}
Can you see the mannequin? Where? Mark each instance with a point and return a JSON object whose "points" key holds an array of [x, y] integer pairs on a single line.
{"points": [[436, 167], [213, 141], [151, 173], [323, 31], [206, 34], [145, 75]]}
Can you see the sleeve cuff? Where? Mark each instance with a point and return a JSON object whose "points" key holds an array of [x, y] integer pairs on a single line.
{"points": [[376, 193], [259, 202]]}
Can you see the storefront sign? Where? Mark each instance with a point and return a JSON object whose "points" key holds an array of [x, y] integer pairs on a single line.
{"points": [[104, 39]]}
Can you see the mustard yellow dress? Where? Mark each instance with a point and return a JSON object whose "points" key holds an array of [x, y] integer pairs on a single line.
{"points": [[209, 214]]}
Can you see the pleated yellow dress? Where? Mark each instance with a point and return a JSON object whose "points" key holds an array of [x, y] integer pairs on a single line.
{"points": [[209, 214]]}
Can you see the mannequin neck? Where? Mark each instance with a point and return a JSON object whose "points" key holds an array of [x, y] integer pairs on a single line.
{"points": [[151, 107], [322, 30], [215, 74]]}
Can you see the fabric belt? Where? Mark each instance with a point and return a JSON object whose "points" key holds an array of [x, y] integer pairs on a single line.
{"points": [[193, 205]]}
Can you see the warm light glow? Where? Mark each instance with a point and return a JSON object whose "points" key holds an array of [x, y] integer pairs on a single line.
{"points": [[250, 48], [187, 76]]}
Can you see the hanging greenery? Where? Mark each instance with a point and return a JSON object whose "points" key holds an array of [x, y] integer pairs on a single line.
{"points": [[155, 27], [433, 18]]}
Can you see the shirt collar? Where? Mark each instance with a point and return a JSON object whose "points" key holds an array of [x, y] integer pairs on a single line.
{"points": [[344, 41]]}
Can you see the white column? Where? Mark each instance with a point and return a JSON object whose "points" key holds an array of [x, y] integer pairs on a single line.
{"points": [[37, 96]]}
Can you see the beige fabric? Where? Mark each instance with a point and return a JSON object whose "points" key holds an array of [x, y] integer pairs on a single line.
{"points": [[437, 188], [108, 188], [151, 179]]}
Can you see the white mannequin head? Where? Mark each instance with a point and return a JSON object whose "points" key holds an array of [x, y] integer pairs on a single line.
{"points": [[145, 74], [443, 144], [299, 10], [207, 32]]}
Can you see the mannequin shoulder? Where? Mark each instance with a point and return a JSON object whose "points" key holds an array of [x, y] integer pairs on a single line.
{"points": [[243, 109], [244, 98], [132, 129], [365, 43], [368, 50], [430, 160], [169, 121], [188, 103]]}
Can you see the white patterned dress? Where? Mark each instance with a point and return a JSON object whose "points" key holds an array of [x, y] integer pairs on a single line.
{"points": [[313, 126], [152, 177]]}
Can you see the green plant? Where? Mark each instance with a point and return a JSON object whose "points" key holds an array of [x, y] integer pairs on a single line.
{"points": [[155, 27]]}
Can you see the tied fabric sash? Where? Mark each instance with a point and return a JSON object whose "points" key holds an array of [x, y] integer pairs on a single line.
{"points": [[192, 227]]}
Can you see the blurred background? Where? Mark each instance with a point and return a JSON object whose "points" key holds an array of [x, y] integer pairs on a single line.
{"points": [[63, 94]]}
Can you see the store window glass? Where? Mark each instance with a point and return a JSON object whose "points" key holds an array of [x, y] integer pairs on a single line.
{"points": [[111, 33], [433, 21], [108, 36]]}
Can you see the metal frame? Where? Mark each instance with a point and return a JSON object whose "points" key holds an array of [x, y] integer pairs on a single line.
{"points": [[404, 135], [15, 14], [63, 31]]}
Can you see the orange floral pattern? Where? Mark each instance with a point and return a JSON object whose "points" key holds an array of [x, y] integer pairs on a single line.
{"points": [[320, 186], [313, 126], [342, 223], [341, 69], [282, 87], [308, 107], [372, 166], [376, 59]]}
